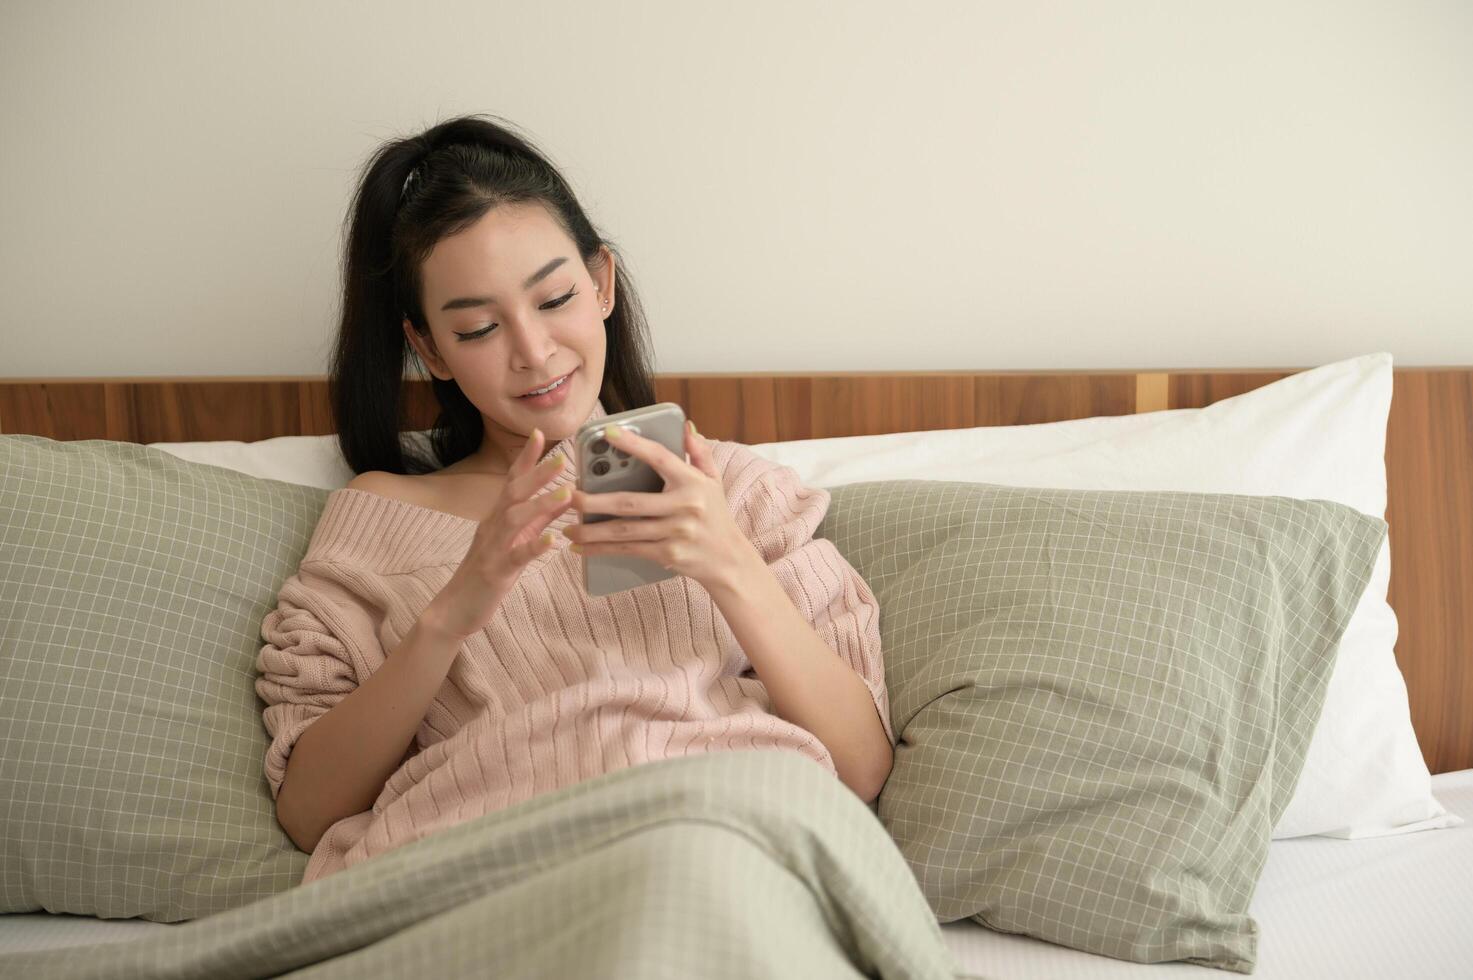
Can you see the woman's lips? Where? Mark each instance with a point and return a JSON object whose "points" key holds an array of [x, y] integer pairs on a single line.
{"points": [[554, 398], [553, 381]]}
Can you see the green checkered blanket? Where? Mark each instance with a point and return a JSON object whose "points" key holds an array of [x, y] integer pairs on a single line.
{"points": [[755, 863]]}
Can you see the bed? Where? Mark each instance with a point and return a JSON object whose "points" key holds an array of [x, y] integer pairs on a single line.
{"points": [[1363, 899], [1310, 904]]}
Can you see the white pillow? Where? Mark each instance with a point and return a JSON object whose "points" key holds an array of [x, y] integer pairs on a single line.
{"points": [[314, 461], [1318, 434]]}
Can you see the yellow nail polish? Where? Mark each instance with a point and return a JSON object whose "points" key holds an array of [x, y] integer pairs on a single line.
{"points": [[613, 430], [578, 549], [564, 492]]}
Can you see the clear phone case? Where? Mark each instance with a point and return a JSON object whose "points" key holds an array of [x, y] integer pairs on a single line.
{"points": [[605, 469]]}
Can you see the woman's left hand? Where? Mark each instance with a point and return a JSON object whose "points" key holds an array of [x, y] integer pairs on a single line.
{"points": [[687, 527]]}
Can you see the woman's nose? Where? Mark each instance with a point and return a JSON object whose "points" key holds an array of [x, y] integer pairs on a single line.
{"points": [[533, 344]]}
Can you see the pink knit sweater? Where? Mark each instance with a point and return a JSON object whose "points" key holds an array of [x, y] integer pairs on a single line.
{"points": [[560, 686]]}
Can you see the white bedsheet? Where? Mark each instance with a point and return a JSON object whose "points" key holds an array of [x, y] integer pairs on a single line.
{"points": [[1379, 907]]}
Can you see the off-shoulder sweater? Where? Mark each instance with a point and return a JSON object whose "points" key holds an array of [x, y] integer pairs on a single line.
{"points": [[560, 686]]}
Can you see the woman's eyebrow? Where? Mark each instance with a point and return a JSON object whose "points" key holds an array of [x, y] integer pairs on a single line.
{"points": [[466, 302]]}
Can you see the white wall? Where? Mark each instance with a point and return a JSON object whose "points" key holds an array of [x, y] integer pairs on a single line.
{"points": [[796, 186]]}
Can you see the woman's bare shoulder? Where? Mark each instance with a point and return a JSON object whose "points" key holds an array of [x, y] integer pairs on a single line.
{"points": [[396, 486], [462, 494]]}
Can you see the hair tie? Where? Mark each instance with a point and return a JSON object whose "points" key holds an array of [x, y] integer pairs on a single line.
{"points": [[404, 188]]}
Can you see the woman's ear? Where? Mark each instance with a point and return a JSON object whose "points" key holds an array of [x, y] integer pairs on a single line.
{"points": [[424, 345], [606, 283]]}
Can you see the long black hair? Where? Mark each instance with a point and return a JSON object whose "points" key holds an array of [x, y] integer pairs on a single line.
{"points": [[460, 169]]}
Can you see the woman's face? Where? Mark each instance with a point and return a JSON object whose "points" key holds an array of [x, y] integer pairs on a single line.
{"points": [[538, 332]]}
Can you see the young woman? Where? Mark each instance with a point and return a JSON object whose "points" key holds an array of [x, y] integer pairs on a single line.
{"points": [[435, 656]]}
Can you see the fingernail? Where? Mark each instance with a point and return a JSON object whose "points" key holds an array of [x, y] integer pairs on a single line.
{"points": [[535, 433], [691, 424], [562, 493], [578, 548], [546, 538], [613, 430]]}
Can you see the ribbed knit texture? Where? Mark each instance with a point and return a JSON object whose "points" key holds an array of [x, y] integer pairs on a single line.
{"points": [[560, 686]]}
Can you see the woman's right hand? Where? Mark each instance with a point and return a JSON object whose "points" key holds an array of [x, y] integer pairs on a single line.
{"points": [[509, 538]]}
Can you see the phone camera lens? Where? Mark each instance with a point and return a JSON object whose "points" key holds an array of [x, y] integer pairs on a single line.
{"points": [[600, 447], [600, 467]]}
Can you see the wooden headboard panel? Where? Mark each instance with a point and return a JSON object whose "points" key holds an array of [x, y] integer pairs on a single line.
{"points": [[1429, 458]]}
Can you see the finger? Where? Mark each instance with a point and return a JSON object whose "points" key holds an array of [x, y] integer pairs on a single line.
{"points": [[524, 466], [538, 525], [537, 477], [545, 542], [660, 459], [544, 507], [534, 535], [700, 452], [648, 529], [625, 503], [522, 539], [531, 452]]}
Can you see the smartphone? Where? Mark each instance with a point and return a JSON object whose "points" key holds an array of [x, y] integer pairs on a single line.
{"points": [[605, 469]]}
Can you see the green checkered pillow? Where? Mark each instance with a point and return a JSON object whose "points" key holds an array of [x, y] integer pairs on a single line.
{"points": [[132, 590], [1103, 697]]}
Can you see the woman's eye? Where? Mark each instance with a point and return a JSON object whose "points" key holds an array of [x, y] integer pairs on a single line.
{"points": [[550, 305]]}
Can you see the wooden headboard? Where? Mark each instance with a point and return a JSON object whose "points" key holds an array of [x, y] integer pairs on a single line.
{"points": [[1429, 458]]}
